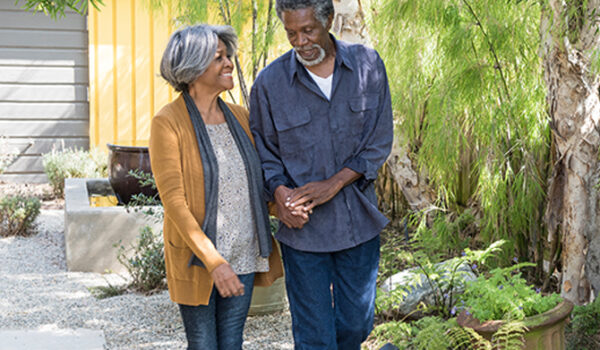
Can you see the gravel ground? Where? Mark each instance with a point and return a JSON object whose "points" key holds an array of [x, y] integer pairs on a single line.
{"points": [[37, 291]]}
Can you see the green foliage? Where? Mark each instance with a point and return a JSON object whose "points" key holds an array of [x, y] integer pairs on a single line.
{"points": [[17, 215], [108, 291], [582, 331], [448, 234], [398, 333], [469, 98], [73, 163], [467, 338], [56, 8], [145, 261], [443, 278], [146, 204], [428, 333], [505, 295], [508, 337], [395, 254], [433, 334], [386, 302], [146, 265]]}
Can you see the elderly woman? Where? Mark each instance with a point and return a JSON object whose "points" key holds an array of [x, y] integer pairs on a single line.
{"points": [[216, 227]]}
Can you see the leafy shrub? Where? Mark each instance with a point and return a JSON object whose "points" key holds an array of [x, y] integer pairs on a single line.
{"points": [[73, 163], [445, 279], [505, 295], [142, 202], [442, 233], [582, 332], [146, 266], [17, 214]]}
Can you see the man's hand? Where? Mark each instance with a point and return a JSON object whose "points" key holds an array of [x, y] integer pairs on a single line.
{"points": [[291, 217], [316, 193], [226, 281], [313, 194]]}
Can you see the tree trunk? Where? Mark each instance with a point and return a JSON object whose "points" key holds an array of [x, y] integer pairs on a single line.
{"points": [[349, 25], [349, 21], [569, 38]]}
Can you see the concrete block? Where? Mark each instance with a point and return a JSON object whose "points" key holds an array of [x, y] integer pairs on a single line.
{"points": [[92, 232]]}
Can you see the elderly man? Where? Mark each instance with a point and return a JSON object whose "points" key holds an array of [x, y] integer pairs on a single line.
{"points": [[322, 120]]}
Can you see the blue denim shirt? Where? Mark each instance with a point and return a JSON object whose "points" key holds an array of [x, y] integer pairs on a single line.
{"points": [[302, 137]]}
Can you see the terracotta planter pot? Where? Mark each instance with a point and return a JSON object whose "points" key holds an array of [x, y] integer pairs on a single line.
{"points": [[121, 160], [544, 331]]}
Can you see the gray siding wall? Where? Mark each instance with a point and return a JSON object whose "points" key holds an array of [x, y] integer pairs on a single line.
{"points": [[43, 86]]}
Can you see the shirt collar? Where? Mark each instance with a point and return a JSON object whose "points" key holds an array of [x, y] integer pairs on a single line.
{"points": [[342, 56]]}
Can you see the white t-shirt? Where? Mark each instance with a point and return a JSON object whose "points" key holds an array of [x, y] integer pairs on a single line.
{"points": [[323, 83]]}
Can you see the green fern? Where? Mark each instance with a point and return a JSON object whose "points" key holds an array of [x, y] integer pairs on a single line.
{"points": [[466, 338], [433, 334], [510, 336]]}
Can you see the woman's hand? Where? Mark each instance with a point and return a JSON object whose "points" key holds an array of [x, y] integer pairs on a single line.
{"points": [[227, 282]]}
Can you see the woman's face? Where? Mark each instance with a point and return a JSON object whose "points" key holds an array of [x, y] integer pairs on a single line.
{"points": [[219, 73]]}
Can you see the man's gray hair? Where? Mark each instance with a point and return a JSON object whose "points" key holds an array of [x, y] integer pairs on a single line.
{"points": [[323, 8], [191, 50]]}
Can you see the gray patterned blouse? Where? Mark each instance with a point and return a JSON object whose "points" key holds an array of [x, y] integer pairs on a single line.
{"points": [[236, 236]]}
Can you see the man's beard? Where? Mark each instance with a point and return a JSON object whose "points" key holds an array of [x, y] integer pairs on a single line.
{"points": [[314, 62]]}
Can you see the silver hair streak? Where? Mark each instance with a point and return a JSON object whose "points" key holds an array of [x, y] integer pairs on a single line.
{"points": [[323, 8], [191, 50]]}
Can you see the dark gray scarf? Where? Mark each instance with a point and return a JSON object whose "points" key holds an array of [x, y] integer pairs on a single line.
{"points": [[211, 177]]}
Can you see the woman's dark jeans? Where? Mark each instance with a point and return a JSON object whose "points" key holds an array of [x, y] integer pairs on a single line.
{"points": [[220, 324]]}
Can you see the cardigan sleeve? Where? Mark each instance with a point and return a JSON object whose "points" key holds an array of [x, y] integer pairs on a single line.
{"points": [[166, 159]]}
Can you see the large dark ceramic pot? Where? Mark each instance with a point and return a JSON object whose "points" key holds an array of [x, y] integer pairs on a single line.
{"points": [[121, 160]]}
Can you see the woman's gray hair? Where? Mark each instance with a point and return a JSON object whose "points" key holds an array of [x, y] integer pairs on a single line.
{"points": [[323, 8], [191, 50]]}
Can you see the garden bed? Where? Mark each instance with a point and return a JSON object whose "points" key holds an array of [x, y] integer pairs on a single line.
{"points": [[42, 191]]}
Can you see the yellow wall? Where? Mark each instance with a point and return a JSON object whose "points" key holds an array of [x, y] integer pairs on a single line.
{"points": [[126, 42]]}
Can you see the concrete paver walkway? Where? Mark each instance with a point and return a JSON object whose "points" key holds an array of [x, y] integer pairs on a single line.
{"points": [[52, 338]]}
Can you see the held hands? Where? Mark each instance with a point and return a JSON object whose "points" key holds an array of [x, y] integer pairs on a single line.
{"points": [[227, 282], [294, 206], [291, 217], [313, 194]]}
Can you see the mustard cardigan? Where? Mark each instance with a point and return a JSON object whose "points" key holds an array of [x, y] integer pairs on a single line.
{"points": [[177, 169]]}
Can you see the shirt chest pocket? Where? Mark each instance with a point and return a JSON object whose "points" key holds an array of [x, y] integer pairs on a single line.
{"points": [[294, 132], [362, 108]]}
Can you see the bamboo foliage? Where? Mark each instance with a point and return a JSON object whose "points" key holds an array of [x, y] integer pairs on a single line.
{"points": [[468, 93]]}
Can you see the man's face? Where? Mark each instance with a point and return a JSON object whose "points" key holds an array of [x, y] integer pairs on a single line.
{"points": [[306, 34]]}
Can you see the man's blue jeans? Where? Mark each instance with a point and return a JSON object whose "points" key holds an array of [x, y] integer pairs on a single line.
{"points": [[220, 324], [338, 319]]}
